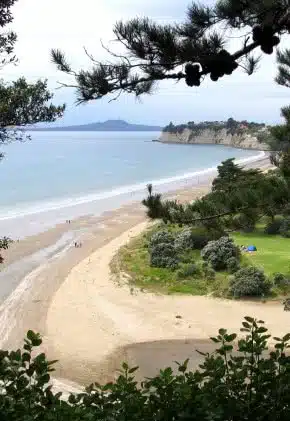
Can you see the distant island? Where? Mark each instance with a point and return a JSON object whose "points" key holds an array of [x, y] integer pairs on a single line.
{"points": [[106, 126]]}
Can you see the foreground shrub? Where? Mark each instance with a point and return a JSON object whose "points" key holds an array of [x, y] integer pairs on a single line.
{"points": [[280, 280], [273, 227], [250, 384], [163, 256], [285, 228], [233, 265], [184, 241], [217, 253], [188, 271], [161, 237], [185, 257], [208, 272], [249, 281]]}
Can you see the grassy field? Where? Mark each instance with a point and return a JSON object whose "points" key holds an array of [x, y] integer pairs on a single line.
{"points": [[133, 259], [273, 251], [273, 255]]}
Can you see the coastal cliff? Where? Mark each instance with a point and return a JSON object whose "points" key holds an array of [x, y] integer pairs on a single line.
{"points": [[241, 137]]}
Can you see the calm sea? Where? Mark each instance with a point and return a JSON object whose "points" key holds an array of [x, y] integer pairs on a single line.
{"points": [[58, 170]]}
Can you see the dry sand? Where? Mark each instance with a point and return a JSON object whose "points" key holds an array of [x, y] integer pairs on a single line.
{"points": [[91, 324]]}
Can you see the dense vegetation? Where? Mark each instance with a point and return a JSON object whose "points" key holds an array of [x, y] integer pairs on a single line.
{"points": [[204, 262], [231, 126], [239, 199], [241, 380]]}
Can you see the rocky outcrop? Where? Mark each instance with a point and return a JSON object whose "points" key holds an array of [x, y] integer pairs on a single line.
{"points": [[214, 137]]}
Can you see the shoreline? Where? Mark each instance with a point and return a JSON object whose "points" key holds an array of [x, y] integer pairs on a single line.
{"points": [[47, 298], [210, 144], [36, 218]]}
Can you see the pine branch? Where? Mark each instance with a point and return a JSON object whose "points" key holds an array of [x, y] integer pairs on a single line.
{"points": [[283, 59], [188, 51]]}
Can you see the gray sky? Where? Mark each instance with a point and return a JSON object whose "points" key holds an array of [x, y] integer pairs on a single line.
{"points": [[70, 25]]}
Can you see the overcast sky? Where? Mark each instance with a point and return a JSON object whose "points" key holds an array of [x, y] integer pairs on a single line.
{"points": [[70, 25]]}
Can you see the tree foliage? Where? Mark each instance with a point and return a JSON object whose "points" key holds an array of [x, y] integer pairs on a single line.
{"points": [[247, 194], [233, 264], [184, 240], [161, 237], [285, 228], [21, 103], [188, 51], [280, 144], [283, 77], [245, 378], [218, 253], [249, 282], [231, 126], [164, 255], [7, 38]]}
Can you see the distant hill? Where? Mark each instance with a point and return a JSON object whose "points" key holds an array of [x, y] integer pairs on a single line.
{"points": [[106, 126]]}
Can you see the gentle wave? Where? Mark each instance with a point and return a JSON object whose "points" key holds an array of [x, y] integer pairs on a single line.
{"points": [[127, 189]]}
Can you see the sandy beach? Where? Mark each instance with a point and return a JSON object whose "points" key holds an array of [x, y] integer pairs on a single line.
{"points": [[90, 322]]}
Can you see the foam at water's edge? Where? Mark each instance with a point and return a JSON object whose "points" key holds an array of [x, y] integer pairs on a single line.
{"points": [[138, 187]]}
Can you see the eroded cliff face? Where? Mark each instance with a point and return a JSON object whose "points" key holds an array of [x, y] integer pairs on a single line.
{"points": [[214, 137]]}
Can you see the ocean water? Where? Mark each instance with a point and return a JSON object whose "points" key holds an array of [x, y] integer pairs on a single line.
{"points": [[58, 171]]}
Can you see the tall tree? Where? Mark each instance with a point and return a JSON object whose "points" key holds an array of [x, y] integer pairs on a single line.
{"points": [[21, 103], [236, 192], [187, 51]]}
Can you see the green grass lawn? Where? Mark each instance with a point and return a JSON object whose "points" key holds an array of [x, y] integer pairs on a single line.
{"points": [[273, 251]]}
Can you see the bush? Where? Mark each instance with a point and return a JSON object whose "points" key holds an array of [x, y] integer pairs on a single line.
{"points": [[199, 241], [183, 241], [233, 265], [236, 386], [273, 227], [201, 236], [249, 281], [217, 253], [285, 228], [161, 237], [186, 257], [188, 271], [209, 274], [280, 280], [163, 256]]}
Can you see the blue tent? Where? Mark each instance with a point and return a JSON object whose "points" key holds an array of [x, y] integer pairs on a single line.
{"points": [[252, 248]]}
